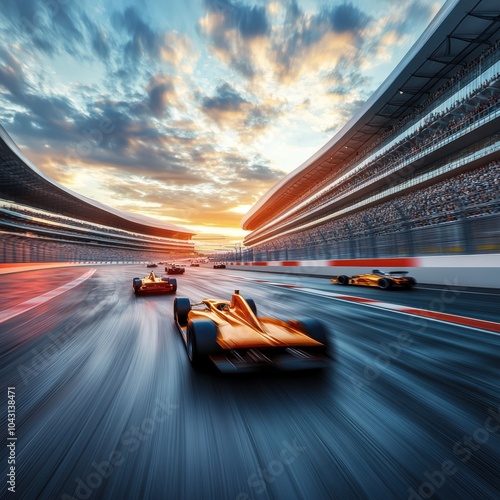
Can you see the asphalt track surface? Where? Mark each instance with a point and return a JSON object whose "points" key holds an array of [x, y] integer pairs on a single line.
{"points": [[108, 406]]}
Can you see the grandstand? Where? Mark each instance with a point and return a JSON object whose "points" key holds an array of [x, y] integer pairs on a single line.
{"points": [[415, 171], [41, 221]]}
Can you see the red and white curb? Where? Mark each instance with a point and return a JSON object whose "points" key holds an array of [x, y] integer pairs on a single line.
{"points": [[489, 261], [395, 262], [480, 324], [41, 299]]}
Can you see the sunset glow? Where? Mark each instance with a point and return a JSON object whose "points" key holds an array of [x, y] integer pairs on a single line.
{"points": [[190, 111]]}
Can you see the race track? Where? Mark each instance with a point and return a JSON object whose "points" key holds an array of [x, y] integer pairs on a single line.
{"points": [[108, 406]]}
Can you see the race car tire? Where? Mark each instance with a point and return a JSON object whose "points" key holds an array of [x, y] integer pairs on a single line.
{"points": [[173, 282], [411, 283], [136, 284], [182, 307], [316, 330], [385, 283], [343, 280], [201, 341], [252, 305]]}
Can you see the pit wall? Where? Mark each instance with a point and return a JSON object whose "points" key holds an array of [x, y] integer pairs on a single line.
{"points": [[461, 270]]}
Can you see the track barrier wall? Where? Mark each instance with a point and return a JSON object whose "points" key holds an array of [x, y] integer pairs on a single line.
{"points": [[458, 270]]}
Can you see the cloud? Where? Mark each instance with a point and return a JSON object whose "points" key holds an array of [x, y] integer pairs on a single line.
{"points": [[161, 92], [178, 51], [403, 20], [249, 21], [190, 196], [323, 53], [315, 42], [237, 114], [257, 172], [50, 27], [232, 29], [345, 77], [134, 162], [143, 42], [98, 38], [346, 17], [225, 106], [241, 37], [34, 114], [96, 129], [11, 75]]}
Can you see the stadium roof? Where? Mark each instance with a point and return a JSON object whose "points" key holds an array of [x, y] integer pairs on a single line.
{"points": [[22, 182], [461, 30]]}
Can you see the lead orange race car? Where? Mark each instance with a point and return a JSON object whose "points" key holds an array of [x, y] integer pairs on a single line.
{"points": [[230, 335]]}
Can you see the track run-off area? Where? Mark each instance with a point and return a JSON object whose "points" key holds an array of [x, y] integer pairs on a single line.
{"points": [[108, 406]]}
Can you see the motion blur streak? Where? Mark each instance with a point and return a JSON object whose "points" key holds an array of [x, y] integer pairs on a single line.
{"points": [[109, 407]]}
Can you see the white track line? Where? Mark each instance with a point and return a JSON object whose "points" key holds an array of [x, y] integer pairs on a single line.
{"points": [[41, 299], [459, 290]]}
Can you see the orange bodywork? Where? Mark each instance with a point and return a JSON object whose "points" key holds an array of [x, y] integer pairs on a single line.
{"points": [[234, 338], [238, 327], [153, 283], [377, 279]]}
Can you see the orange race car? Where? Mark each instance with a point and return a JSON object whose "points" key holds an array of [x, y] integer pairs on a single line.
{"points": [[377, 278], [152, 284], [230, 335]]}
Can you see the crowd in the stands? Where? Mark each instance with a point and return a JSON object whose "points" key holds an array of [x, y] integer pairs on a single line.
{"points": [[470, 194], [22, 248], [482, 100], [39, 219], [437, 127]]}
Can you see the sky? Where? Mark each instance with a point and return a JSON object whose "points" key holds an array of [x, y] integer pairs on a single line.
{"points": [[190, 111]]}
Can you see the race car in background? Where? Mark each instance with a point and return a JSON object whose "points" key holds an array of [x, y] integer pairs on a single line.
{"points": [[230, 335], [175, 269], [154, 284], [377, 278], [151, 264], [219, 265]]}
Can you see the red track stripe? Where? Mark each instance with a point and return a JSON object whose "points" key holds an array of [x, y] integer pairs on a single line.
{"points": [[452, 318], [353, 298], [36, 301], [389, 262]]}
